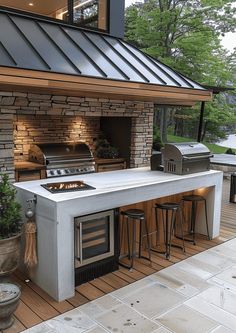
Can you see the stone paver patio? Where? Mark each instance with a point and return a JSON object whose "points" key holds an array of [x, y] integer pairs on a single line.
{"points": [[197, 295]]}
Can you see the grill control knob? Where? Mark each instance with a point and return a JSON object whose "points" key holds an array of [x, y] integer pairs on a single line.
{"points": [[52, 172], [59, 172], [67, 171]]}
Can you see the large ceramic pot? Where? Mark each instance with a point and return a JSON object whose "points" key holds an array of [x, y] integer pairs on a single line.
{"points": [[9, 254]]}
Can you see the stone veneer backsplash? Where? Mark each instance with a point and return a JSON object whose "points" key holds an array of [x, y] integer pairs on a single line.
{"points": [[39, 129], [26, 118]]}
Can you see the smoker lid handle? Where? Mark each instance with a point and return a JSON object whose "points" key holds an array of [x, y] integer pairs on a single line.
{"points": [[197, 157]]}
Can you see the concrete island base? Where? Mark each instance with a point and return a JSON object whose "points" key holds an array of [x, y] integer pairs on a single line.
{"points": [[55, 213]]}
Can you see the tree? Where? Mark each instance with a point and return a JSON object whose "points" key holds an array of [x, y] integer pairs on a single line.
{"points": [[186, 36]]}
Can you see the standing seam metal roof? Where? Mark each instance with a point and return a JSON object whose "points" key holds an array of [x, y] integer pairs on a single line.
{"points": [[33, 43]]}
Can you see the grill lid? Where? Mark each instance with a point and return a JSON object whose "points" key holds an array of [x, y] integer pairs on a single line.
{"points": [[63, 159], [65, 150], [45, 153], [185, 150]]}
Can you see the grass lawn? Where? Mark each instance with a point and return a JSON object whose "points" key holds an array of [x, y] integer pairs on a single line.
{"points": [[212, 147]]}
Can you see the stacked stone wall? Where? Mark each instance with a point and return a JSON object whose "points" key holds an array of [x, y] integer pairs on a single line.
{"points": [[27, 118]]}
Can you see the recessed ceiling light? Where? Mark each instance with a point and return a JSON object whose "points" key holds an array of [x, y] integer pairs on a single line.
{"points": [[31, 4]]}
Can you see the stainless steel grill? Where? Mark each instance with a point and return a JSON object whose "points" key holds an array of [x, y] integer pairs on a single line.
{"points": [[63, 159], [185, 158]]}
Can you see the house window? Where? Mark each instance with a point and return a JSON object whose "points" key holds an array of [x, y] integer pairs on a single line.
{"points": [[85, 13], [91, 13]]}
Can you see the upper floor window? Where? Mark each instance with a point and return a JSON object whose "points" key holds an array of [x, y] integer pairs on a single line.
{"points": [[85, 13]]}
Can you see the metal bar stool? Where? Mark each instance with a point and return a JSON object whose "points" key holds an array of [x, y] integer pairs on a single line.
{"points": [[169, 212], [195, 200], [130, 217]]}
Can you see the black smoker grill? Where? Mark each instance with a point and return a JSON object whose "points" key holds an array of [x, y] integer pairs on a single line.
{"points": [[63, 159], [185, 158]]}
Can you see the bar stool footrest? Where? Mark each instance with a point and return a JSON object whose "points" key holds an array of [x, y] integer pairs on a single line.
{"points": [[186, 239]]}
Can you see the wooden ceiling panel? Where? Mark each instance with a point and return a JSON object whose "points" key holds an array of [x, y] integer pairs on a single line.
{"points": [[39, 6]]}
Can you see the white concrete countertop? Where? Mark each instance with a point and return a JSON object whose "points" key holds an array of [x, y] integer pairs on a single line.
{"points": [[110, 181], [55, 213]]}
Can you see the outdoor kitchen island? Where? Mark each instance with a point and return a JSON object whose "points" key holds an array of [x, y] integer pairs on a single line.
{"points": [[56, 213]]}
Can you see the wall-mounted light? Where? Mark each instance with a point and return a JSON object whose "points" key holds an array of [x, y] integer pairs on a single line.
{"points": [[201, 191], [31, 4]]}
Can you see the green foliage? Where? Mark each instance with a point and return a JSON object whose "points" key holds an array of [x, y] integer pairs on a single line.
{"points": [[10, 209], [103, 148], [230, 151], [185, 35], [157, 143]]}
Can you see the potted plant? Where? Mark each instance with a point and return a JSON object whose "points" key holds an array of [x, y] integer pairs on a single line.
{"points": [[10, 227]]}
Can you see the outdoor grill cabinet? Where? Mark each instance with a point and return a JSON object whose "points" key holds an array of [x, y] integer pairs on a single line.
{"points": [[25, 171], [186, 158], [56, 215]]}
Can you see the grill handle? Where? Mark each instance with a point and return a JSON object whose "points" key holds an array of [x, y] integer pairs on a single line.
{"points": [[198, 157]]}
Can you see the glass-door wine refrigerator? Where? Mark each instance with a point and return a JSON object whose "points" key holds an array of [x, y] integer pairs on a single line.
{"points": [[96, 245]]}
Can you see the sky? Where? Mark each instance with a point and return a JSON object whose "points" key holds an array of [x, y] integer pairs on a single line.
{"points": [[228, 41]]}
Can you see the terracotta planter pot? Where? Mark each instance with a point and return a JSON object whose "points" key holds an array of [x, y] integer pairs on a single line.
{"points": [[9, 254]]}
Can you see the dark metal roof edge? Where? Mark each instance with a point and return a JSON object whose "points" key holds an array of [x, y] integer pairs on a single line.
{"points": [[99, 78], [40, 18], [156, 60], [140, 61], [183, 77]]}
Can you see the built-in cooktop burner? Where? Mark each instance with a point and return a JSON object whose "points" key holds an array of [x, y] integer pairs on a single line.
{"points": [[67, 186]]}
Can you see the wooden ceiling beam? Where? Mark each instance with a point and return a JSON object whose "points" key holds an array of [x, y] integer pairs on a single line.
{"points": [[42, 82]]}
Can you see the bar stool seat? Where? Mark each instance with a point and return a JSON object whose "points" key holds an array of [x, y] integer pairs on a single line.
{"points": [[168, 206], [131, 216], [169, 212], [193, 197], [195, 200], [134, 213]]}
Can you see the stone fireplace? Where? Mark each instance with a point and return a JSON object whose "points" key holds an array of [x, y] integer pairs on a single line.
{"points": [[27, 118]]}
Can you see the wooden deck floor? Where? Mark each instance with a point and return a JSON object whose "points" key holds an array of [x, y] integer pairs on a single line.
{"points": [[36, 306]]}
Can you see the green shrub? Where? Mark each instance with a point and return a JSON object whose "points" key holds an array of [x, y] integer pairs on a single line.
{"points": [[157, 143], [10, 209], [230, 151]]}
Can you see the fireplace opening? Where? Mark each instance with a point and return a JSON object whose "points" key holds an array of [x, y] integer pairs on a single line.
{"points": [[118, 132]]}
